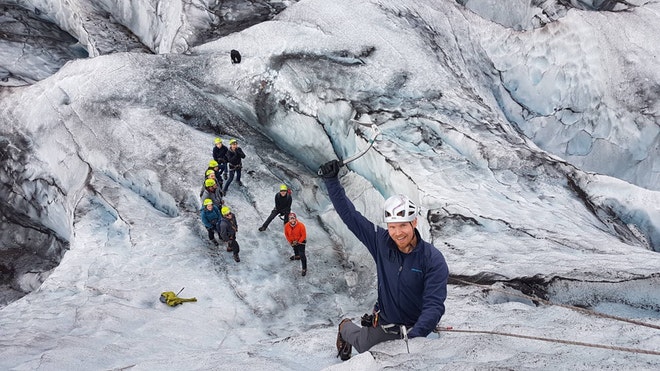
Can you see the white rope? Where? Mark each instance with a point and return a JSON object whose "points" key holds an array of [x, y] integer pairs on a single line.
{"points": [[561, 341], [547, 302]]}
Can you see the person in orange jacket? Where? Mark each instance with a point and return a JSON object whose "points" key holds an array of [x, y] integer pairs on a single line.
{"points": [[296, 234]]}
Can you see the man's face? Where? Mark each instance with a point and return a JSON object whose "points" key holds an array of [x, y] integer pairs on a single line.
{"points": [[218, 145], [292, 220], [402, 233], [209, 207], [233, 146], [282, 193]]}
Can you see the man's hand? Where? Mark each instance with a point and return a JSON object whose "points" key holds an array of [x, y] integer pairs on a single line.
{"points": [[330, 169]]}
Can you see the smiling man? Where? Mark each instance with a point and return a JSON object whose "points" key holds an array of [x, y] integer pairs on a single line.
{"points": [[412, 273]]}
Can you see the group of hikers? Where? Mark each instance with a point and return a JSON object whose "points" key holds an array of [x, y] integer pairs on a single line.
{"points": [[412, 273], [218, 218]]}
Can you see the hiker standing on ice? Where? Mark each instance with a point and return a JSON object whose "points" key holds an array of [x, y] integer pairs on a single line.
{"points": [[412, 273], [210, 174], [296, 233], [227, 228], [235, 158], [220, 156], [282, 208], [210, 215], [213, 165], [212, 191]]}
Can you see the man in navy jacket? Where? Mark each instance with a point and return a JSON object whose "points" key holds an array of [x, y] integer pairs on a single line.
{"points": [[412, 273]]}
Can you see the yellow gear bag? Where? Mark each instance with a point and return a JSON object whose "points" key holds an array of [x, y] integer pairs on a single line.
{"points": [[170, 298]]}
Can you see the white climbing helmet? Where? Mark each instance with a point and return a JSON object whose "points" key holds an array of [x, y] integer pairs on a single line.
{"points": [[399, 208]]}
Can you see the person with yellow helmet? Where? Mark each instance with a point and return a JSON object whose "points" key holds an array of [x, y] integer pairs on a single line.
{"points": [[227, 228], [282, 208], [210, 215], [212, 192], [220, 155], [210, 174], [235, 156], [215, 166]]}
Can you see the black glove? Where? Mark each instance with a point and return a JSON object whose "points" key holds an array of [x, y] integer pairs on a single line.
{"points": [[330, 169], [367, 320]]}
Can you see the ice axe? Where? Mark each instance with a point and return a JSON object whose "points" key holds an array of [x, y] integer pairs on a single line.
{"points": [[404, 335], [375, 134], [172, 299], [163, 296]]}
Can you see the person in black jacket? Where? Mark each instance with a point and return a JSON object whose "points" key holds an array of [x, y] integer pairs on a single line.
{"points": [[282, 208], [220, 156], [235, 158]]}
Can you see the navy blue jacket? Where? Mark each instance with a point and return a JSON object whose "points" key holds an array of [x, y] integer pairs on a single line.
{"points": [[412, 288]]}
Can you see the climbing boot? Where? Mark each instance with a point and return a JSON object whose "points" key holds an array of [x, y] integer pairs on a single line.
{"points": [[344, 349]]}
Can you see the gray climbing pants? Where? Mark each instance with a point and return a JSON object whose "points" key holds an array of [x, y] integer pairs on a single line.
{"points": [[363, 338]]}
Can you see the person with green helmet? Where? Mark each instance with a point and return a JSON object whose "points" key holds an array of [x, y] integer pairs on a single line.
{"points": [[212, 192], [220, 155], [210, 174], [235, 156], [210, 215], [282, 208], [215, 166], [227, 228]]}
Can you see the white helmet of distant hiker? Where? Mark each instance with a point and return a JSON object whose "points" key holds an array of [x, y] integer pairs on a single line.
{"points": [[400, 208]]}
